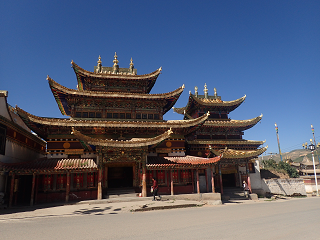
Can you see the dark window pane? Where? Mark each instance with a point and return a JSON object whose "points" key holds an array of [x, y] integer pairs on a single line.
{"points": [[78, 114], [98, 115], [144, 116], [138, 116], [122, 115], [109, 115], [91, 114], [156, 116], [84, 114], [116, 115], [150, 116], [128, 115]]}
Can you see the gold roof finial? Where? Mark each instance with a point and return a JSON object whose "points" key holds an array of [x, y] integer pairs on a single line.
{"points": [[131, 62], [215, 92], [115, 60], [205, 90], [99, 61]]}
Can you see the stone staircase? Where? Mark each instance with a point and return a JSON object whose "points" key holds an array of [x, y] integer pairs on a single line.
{"points": [[234, 193], [120, 193]]}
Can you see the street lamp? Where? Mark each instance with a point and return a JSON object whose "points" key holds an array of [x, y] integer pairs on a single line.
{"points": [[312, 147]]}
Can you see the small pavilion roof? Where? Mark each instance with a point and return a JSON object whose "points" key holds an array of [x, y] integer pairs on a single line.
{"points": [[307, 162], [209, 104], [63, 96], [83, 76], [239, 124], [238, 154], [135, 142], [47, 165], [227, 142], [179, 162]]}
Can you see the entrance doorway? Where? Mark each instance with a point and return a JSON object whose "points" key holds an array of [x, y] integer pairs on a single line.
{"points": [[120, 177], [229, 180]]}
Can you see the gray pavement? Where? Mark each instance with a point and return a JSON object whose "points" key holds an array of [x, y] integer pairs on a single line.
{"points": [[110, 206]]}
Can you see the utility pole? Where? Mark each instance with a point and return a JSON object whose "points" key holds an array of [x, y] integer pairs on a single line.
{"points": [[278, 141]]}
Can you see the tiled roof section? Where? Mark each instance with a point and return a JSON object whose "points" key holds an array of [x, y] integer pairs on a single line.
{"points": [[50, 165], [307, 162], [63, 122], [112, 75], [238, 154], [137, 142], [159, 96], [179, 162], [63, 95], [227, 142], [209, 105], [218, 102], [84, 77], [242, 124], [310, 171]]}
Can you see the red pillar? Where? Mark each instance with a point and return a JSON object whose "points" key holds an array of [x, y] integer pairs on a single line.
{"points": [[206, 180], [68, 187], [212, 180], [220, 175], [144, 180], [198, 182], [32, 189], [11, 189], [248, 177], [171, 181], [99, 197]]}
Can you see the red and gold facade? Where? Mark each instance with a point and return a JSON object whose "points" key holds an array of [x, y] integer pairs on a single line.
{"points": [[118, 125]]}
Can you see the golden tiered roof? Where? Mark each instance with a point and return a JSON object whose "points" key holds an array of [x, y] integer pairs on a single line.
{"points": [[135, 142], [227, 142], [113, 75], [215, 104], [238, 154], [41, 125], [64, 95], [64, 122]]}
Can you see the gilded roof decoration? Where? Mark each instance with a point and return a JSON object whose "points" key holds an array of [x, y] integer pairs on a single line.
{"points": [[238, 154], [135, 142]]}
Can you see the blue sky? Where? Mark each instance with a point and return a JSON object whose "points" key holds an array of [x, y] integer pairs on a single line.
{"points": [[268, 50]]}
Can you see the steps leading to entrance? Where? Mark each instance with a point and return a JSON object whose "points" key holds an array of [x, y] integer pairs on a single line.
{"points": [[233, 194], [121, 192]]}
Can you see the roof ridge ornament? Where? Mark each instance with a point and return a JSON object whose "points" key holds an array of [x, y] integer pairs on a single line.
{"points": [[205, 90], [215, 92], [196, 91], [99, 68], [131, 66], [115, 64]]}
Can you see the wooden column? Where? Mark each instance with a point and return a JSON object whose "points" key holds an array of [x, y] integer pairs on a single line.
{"points": [[99, 192], [212, 179], [192, 172], [198, 182], [11, 189], [171, 181], [32, 189], [220, 175], [205, 171], [248, 177], [106, 177], [144, 175], [68, 186]]}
